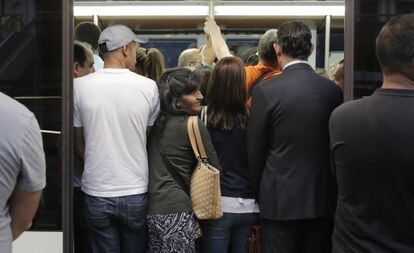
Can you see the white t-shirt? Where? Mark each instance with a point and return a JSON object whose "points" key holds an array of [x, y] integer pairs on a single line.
{"points": [[114, 107], [98, 63]]}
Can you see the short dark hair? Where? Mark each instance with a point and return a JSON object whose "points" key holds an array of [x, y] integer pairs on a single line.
{"points": [[88, 32], [202, 75], [252, 60], [294, 39], [265, 49], [80, 52], [395, 46], [245, 54], [243, 51]]}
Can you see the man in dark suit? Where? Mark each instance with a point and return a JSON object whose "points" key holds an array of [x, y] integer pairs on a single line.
{"points": [[288, 149]]}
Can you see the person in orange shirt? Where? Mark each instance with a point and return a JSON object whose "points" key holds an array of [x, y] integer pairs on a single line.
{"points": [[268, 62]]}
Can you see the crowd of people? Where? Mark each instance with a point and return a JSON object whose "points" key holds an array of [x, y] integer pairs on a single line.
{"points": [[316, 174]]}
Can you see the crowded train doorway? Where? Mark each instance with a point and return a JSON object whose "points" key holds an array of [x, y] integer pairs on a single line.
{"points": [[36, 53]]}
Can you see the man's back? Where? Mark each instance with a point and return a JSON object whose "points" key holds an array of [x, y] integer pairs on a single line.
{"points": [[114, 107], [22, 161], [296, 181], [375, 210]]}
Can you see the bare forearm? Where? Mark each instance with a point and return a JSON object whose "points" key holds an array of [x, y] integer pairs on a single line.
{"points": [[80, 151], [23, 207], [207, 53], [219, 45], [149, 130], [18, 229], [79, 142]]}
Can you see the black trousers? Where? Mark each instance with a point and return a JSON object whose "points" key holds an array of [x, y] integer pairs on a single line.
{"points": [[297, 236]]}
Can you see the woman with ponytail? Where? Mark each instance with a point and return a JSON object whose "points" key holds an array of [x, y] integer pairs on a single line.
{"points": [[150, 63]]}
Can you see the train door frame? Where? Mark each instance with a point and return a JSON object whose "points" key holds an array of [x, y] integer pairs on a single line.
{"points": [[67, 125], [67, 104], [60, 240], [349, 36]]}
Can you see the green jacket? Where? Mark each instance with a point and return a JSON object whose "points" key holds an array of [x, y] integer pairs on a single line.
{"points": [[165, 194]]}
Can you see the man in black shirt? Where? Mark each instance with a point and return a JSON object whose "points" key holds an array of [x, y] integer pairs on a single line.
{"points": [[288, 149], [372, 141]]}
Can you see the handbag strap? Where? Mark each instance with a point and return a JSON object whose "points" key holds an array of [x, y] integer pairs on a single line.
{"points": [[195, 138], [190, 130], [196, 144], [203, 115], [199, 140]]}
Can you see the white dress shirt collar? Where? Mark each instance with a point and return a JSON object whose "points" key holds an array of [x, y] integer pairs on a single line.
{"points": [[294, 62]]}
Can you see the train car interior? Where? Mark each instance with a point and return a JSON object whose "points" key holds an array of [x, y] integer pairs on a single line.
{"points": [[36, 42], [31, 46]]}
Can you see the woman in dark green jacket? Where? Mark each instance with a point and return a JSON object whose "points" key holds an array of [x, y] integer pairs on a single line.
{"points": [[171, 222]]}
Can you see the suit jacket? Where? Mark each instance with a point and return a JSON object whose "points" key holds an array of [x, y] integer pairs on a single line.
{"points": [[288, 145]]}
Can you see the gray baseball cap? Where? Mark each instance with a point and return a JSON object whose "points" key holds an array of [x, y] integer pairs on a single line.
{"points": [[117, 36]]}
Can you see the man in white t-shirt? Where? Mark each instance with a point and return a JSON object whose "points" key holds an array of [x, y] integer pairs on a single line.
{"points": [[113, 111]]}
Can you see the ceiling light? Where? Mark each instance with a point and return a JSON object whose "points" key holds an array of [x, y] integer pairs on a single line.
{"points": [[281, 10], [140, 10]]}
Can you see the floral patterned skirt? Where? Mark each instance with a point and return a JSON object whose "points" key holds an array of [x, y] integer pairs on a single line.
{"points": [[173, 232]]}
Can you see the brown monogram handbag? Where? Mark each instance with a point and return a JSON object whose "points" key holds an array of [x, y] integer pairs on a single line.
{"points": [[205, 190]]}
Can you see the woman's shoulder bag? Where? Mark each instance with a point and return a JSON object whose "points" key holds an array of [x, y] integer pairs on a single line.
{"points": [[205, 190]]}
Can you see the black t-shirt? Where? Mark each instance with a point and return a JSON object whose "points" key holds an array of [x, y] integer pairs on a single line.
{"points": [[374, 168]]}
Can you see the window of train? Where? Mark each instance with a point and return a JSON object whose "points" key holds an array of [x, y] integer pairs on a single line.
{"points": [[370, 16], [249, 42], [336, 46], [171, 48], [30, 72]]}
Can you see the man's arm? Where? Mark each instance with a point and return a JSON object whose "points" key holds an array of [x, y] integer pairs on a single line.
{"points": [[25, 198], [149, 130], [257, 138], [23, 206], [219, 45], [79, 143], [155, 110]]}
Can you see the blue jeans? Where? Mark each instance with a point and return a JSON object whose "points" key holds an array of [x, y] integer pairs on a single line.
{"points": [[230, 231], [117, 225]]}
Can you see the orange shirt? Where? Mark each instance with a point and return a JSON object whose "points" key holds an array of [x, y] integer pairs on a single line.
{"points": [[272, 74], [254, 72]]}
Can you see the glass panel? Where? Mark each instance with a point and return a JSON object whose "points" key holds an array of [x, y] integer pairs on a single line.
{"points": [[30, 71], [367, 73], [336, 46], [171, 49], [250, 42]]}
